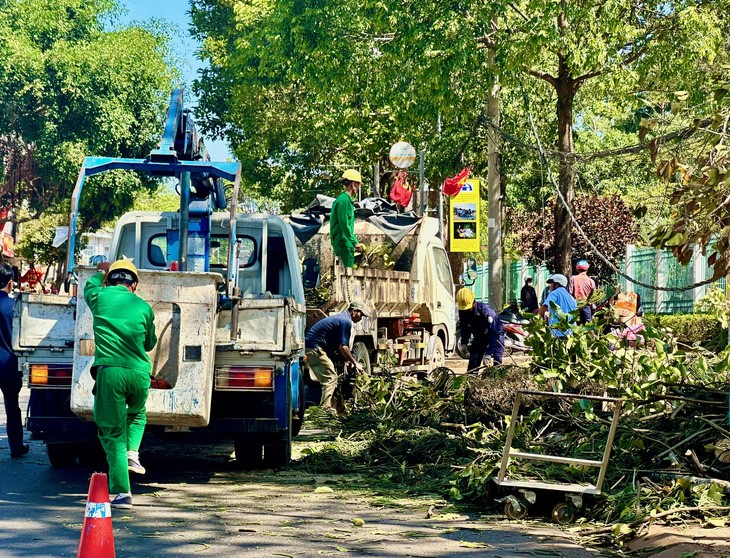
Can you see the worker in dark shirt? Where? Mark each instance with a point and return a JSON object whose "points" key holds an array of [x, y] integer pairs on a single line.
{"points": [[11, 379], [478, 320], [528, 296], [325, 341]]}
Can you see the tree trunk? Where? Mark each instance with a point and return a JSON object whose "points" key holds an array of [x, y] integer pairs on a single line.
{"points": [[565, 88]]}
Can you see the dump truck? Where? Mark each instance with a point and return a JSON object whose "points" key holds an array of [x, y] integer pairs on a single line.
{"points": [[403, 279], [229, 308]]}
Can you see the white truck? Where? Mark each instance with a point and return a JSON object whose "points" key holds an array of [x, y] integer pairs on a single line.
{"points": [[246, 388], [229, 308], [411, 308]]}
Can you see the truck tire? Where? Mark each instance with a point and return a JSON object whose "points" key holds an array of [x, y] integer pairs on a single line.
{"points": [[249, 455], [461, 349], [438, 356], [361, 354], [277, 455], [91, 454], [62, 454]]}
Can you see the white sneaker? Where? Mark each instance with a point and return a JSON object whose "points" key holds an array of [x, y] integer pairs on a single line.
{"points": [[135, 466], [122, 501]]}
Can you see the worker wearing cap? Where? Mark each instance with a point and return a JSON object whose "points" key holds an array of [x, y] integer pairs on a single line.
{"points": [[124, 331], [581, 287], [327, 340], [342, 219], [559, 301], [11, 377], [478, 320]]}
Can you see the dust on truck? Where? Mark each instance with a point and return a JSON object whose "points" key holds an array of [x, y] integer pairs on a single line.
{"points": [[230, 322], [406, 286]]}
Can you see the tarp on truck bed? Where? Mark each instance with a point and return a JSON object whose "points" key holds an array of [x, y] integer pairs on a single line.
{"points": [[381, 213]]}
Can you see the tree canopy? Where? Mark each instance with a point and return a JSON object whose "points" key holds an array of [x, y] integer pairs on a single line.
{"points": [[303, 89], [71, 85]]}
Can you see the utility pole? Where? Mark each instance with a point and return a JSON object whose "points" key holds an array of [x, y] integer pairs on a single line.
{"points": [[494, 193], [376, 180]]}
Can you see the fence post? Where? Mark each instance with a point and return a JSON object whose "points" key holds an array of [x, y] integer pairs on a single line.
{"points": [[698, 275], [661, 280], [630, 267]]}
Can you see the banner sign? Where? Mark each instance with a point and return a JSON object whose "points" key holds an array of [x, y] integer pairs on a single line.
{"points": [[464, 218]]}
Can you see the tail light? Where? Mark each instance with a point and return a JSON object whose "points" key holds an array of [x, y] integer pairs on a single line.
{"points": [[244, 378], [50, 375]]}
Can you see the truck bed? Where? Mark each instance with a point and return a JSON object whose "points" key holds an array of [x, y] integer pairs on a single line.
{"points": [[43, 321], [390, 293]]}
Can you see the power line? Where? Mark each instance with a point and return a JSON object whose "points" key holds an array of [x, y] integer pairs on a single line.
{"points": [[600, 254]]}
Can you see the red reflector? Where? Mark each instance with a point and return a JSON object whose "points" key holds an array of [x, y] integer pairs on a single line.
{"points": [[50, 375], [244, 377]]}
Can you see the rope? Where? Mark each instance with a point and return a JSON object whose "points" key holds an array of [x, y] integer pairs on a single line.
{"points": [[610, 264]]}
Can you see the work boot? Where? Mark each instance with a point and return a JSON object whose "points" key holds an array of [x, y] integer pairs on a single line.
{"points": [[122, 501], [24, 449], [133, 463]]}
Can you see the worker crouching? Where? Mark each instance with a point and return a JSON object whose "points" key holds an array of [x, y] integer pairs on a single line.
{"points": [[478, 320], [124, 331]]}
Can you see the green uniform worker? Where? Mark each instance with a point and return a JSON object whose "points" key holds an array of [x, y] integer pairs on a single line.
{"points": [[124, 330], [342, 219]]}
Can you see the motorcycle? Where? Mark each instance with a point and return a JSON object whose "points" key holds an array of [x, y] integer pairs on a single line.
{"points": [[514, 332]]}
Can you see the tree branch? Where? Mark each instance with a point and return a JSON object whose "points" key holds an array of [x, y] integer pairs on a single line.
{"points": [[543, 76]]}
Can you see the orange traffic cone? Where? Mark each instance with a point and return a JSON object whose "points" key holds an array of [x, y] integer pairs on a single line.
{"points": [[97, 535]]}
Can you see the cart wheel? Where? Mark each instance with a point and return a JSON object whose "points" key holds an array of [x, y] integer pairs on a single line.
{"points": [[564, 513], [512, 511]]}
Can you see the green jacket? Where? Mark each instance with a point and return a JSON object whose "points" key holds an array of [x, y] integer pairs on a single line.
{"points": [[124, 326], [342, 222]]}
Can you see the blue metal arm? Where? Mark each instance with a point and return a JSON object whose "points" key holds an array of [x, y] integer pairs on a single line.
{"points": [[97, 165]]}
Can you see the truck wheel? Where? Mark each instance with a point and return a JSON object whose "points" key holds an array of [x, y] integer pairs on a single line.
{"points": [[61, 455], [461, 349], [248, 455], [438, 357], [91, 454], [277, 455], [362, 355]]}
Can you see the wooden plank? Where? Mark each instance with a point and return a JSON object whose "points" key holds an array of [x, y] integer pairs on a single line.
{"points": [[532, 485], [555, 459]]}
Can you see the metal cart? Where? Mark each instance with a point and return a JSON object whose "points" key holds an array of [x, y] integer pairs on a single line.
{"points": [[516, 505]]}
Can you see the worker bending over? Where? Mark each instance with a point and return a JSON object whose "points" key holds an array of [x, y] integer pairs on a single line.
{"points": [[478, 320], [327, 340]]}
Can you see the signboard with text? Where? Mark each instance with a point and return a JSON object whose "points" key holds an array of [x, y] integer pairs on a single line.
{"points": [[464, 219]]}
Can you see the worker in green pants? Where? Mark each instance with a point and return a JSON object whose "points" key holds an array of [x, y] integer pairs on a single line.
{"points": [[342, 219], [124, 331]]}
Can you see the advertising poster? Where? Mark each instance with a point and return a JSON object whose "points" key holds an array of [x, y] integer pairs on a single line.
{"points": [[464, 219]]}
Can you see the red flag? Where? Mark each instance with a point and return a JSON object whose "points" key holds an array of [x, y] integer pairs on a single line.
{"points": [[452, 186], [400, 193]]}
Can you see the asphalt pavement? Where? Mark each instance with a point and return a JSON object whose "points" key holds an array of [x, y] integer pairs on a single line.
{"points": [[193, 502]]}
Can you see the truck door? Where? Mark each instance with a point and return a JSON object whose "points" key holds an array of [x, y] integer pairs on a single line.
{"points": [[444, 311]]}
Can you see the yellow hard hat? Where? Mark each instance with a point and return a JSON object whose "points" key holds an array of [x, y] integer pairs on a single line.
{"points": [[465, 299], [352, 175], [123, 265]]}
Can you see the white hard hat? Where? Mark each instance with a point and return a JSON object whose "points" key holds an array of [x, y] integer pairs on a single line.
{"points": [[558, 278]]}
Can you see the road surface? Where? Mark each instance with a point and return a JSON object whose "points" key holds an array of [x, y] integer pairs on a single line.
{"points": [[193, 502]]}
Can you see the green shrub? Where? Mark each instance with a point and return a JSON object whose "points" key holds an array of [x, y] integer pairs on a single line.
{"points": [[689, 329]]}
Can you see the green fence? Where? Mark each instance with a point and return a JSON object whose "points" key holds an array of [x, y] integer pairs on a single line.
{"points": [[647, 265]]}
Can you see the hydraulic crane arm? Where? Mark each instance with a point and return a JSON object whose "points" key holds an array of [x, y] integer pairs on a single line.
{"points": [[181, 154]]}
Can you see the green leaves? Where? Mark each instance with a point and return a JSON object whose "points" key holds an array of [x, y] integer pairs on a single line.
{"points": [[69, 89]]}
